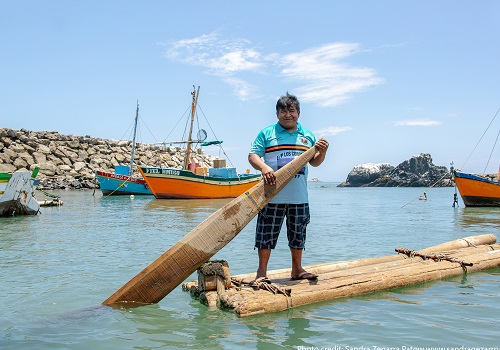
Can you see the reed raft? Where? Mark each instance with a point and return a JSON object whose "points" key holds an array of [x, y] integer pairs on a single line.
{"points": [[353, 277]]}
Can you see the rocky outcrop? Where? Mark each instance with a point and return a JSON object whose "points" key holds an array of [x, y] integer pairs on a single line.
{"points": [[418, 171], [68, 161]]}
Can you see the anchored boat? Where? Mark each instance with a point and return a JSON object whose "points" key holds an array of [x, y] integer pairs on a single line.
{"points": [[478, 191], [122, 181], [193, 181], [17, 193]]}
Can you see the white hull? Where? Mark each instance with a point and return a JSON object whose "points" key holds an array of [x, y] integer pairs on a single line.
{"points": [[17, 197]]}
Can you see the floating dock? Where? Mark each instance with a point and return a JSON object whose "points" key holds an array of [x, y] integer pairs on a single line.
{"points": [[216, 288]]}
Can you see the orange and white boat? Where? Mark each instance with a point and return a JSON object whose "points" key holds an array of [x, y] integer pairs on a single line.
{"points": [[478, 191], [193, 182]]}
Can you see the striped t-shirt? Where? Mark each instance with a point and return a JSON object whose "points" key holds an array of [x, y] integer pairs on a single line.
{"points": [[278, 147]]}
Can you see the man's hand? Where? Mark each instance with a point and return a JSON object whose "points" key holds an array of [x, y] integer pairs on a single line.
{"points": [[267, 172], [268, 175], [321, 145], [319, 157]]}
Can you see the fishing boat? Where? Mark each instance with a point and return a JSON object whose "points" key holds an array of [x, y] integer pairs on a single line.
{"points": [[477, 190], [193, 181], [17, 193], [4, 179], [122, 181]]}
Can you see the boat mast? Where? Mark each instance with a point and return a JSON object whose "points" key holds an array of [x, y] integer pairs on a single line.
{"points": [[133, 140], [193, 112]]}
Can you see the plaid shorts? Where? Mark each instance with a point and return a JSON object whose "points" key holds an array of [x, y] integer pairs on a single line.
{"points": [[270, 220]]}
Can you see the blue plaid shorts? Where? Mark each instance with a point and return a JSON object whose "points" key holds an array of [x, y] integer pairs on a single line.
{"points": [[270, 220]]}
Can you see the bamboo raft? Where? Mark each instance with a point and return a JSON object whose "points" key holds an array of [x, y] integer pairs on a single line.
{"points": [[215, 287]]}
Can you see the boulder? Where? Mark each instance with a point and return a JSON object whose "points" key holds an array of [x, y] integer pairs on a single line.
{"points": [[418, 171]]}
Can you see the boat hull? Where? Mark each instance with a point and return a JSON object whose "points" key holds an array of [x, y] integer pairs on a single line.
{"points": [[115, 184], [477, 191], [17, 197], [168, 183]]}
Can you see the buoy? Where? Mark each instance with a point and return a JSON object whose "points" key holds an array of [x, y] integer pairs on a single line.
{"points": [[132, 196]]}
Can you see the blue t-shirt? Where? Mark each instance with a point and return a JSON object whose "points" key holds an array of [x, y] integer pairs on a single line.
{"points": [[278, 147]]}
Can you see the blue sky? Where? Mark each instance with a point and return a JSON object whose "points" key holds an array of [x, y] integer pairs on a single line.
{"points": [[381, 80]]}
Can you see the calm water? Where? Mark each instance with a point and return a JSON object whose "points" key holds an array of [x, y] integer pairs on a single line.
{"points": [[56, 269]]}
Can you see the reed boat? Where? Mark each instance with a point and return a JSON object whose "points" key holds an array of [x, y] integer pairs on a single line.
{"points": [[476, 190], [194, 181], [122, 181], [244, 296]]}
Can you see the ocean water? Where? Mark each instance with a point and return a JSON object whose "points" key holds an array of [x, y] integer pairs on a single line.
{"points": [[57, 268]]}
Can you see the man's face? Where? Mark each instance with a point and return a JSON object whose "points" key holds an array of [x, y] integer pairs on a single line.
{"points": [[288, 118]]}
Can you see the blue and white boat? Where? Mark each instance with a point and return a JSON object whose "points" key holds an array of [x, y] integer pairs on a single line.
{"points": [[122, 181]]}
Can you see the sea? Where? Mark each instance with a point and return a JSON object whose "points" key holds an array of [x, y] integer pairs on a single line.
{"points": [[58, 267]]}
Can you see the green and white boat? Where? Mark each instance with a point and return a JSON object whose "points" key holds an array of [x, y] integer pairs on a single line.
{"points": [[17, 193]]}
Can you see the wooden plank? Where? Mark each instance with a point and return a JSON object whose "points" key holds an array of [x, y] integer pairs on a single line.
{"points": [[171, 268]]}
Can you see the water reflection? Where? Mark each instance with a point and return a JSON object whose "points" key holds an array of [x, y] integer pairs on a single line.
{"points": [[186, 205], [198, 328], [188, 210], [484, 217], [288, 331]]}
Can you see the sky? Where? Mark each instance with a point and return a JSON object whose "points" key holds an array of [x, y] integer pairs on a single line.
{"points": [[382, 81]]}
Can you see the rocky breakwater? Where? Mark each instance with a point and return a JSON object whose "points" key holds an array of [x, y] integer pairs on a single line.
{"points": [[68, 162], [418, 171]]}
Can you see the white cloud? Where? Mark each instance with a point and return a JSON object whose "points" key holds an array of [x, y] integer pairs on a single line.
{"points": [[331, 130], [423, 122], [243, 90], [221, 57], [321, 77], [328, 82]]}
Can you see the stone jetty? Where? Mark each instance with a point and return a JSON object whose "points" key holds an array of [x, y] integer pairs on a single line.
{"points": [[68, 162]]}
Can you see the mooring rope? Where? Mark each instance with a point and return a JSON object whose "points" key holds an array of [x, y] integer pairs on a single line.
{"points": [[491, 122]]}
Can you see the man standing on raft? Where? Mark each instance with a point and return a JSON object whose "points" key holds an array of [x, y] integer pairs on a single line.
{"points": [[275, 146]]}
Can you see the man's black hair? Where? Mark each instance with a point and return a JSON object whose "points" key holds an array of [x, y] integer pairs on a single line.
{"points": [[287, 101]]}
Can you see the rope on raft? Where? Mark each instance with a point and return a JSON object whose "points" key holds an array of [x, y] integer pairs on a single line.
{"points": [[270, 287], [436, 257]]}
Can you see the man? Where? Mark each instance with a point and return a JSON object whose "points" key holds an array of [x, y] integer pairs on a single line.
{"points": [[278, 144]]}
